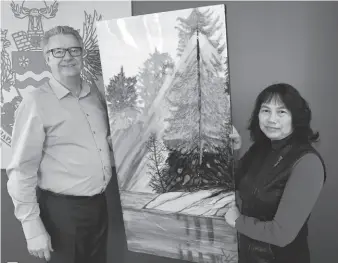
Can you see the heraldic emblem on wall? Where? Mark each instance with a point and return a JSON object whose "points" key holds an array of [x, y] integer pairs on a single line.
{"points": [[26, 68]]}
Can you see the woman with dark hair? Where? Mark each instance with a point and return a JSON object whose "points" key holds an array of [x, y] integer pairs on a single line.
{"points": [[278, 180]]}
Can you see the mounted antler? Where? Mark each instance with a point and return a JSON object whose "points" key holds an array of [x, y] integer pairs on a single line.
{"points": [[19, 11], [49, 11]]}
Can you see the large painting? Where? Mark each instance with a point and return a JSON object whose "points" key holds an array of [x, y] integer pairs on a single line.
{"points": [[166, 81], [23, 68]]}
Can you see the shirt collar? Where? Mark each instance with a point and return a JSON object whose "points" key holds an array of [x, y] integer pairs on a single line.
{"points": [[278, 144], [61, 91]]}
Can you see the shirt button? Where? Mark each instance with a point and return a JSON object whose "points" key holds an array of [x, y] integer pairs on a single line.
{"points": [[87, 114], [93, 132]]}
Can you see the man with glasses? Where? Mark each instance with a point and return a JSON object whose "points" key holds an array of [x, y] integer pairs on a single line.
{"points": [[60, 148]]}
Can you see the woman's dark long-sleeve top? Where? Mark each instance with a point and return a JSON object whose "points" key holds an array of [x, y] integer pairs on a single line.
{"points": [[278, 185]]}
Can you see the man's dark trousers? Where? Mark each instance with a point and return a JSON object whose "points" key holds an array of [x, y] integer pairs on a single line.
{"points": [[78, 227]]}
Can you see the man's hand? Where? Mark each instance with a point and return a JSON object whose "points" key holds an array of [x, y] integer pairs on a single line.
{"points": [[236, 138], [40, 246], [232, 214]]}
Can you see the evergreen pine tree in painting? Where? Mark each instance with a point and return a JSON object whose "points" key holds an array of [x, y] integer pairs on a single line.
{"points": [[198, 105], [152, 75], [121, 97]]}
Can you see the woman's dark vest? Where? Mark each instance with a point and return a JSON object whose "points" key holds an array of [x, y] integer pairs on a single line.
{"points": [[260, 181]]}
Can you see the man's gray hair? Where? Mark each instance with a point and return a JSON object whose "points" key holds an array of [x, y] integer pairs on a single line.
{"points": [[59, 30]]}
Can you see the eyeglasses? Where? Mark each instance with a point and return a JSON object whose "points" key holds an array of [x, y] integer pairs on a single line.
{"points": [[61, 52]]}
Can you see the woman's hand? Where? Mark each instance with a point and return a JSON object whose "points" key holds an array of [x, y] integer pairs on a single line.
{"points": [[232, 214], [236, 138]]}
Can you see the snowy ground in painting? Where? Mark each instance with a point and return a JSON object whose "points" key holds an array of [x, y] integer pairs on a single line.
{"points": [[201, 203], [208, 203], [153, 228]]}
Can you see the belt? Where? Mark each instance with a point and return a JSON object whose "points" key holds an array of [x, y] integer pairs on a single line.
{"points": [[74, 197]]}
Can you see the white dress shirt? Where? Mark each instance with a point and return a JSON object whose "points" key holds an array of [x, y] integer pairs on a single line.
{"points": [[59, 143]]}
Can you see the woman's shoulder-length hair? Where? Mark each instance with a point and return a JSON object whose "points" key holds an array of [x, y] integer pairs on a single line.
{"points": [[295, 103]]}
